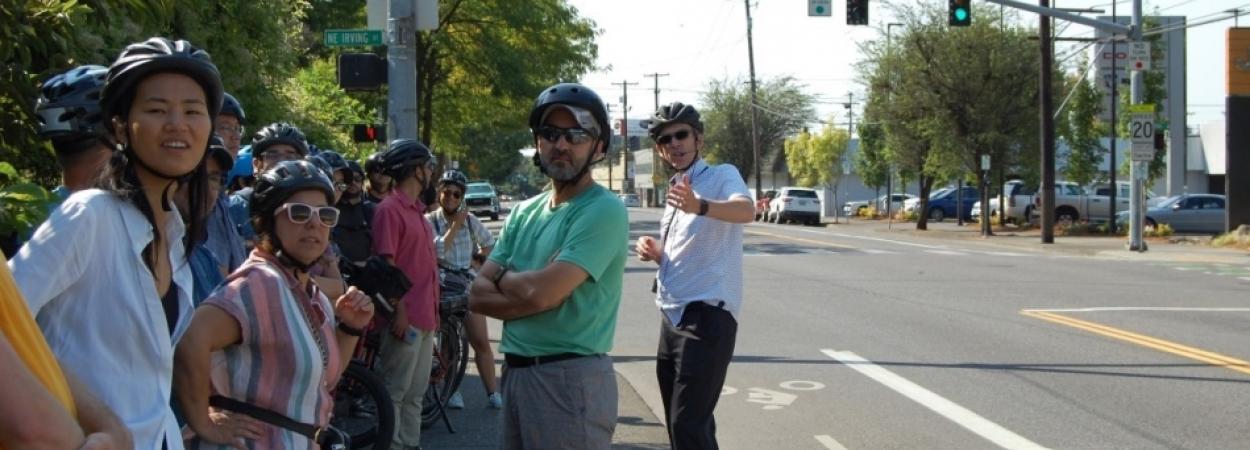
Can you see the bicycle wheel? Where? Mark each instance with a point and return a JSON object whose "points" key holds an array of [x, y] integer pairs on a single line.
{"points": [[363, 408], [447, 369]]}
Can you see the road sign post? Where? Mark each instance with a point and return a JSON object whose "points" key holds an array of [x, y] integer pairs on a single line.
{"points": [[1139, 56], [353, 38], [1141, 129]]}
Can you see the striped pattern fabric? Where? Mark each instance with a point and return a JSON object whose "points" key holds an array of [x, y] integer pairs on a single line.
{"points": [[278, 364]]}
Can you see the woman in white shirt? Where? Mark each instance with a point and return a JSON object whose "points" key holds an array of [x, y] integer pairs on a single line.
{"points": [[107, 274]]}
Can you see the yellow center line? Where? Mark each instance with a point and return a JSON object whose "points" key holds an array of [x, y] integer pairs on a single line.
{"points": [[1211, 358], [797, 239]]}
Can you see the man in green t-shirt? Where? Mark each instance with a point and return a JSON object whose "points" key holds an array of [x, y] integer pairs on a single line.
{"points": [[554, 278]]}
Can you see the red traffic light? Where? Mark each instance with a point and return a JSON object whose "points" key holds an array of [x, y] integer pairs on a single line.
{"points": [[368, 133]]}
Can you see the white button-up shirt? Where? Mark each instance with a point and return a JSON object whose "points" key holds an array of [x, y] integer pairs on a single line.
{"points": [[84, 277], [702, 258]]}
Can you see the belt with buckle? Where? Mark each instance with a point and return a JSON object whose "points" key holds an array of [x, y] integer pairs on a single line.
{"points": [[518, 361]]}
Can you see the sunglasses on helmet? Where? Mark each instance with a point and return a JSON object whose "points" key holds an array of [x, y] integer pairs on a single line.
{"points": [[300, 213], [575, 136], [668, 138]]}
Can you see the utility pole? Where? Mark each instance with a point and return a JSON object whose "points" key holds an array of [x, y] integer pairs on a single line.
{"points": [[1115, 101], [654, 196], [609, 158], [401, 65], [850, 111], [755, 132], [627, 183], [1138, 169], [1048, 129]]}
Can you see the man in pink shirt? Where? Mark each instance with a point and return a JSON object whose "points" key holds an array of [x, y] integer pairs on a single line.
{"points": [[403, 236]]}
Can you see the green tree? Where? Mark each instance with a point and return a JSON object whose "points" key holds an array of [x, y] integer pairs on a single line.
{"points": [[947, 97], [869, 162], [1082, 134], [783, 109], [816, 159]]}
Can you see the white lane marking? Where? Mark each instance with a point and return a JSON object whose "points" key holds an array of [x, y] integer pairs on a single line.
{"points": [[829, 442], [1244, 278], [1012, 254], [946, 252], [1141, 308], [874, 251], [946, 408], [868, 238]]}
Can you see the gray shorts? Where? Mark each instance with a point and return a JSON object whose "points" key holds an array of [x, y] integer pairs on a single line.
{"points": [[568, 404]]}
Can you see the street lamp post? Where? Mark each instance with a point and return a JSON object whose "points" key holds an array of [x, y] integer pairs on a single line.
{"points": [[889, 185]]}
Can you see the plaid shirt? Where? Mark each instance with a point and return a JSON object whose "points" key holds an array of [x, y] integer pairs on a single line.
{"points": [[465, 241]]}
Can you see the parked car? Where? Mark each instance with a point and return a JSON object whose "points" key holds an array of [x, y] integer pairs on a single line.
{"points": [[944, 202], [1195, 213], [1019, 196], [1093, 203], [761, 204], [630, 200], [481, 199], [857, 208], [795, 204]]}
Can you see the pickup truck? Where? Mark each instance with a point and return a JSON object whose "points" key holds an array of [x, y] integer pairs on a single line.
{"points": [[1019, 196], [1072, 203]]}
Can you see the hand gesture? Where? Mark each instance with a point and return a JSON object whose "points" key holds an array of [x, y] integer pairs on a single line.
{"points": [[354, 308], [458, 219], [648, 249], [682, 197], [231, 428]]}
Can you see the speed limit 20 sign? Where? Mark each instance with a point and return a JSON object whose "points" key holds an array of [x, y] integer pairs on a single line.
{"points": [[1141, 129]]}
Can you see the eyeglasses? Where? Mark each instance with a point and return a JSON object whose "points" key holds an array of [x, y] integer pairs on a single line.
{"points": [[340, 186], [300, 213], [453, 194], [668, 138], [575, 136], [276, 156], [224, 130]]}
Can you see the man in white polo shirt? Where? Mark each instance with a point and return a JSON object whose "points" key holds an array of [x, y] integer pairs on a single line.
{"points": [[699, 284]]}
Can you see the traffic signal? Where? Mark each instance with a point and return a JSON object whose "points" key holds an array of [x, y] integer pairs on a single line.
{"points": [[368, 133], [361, 71], [960, 13], [857, 12]]}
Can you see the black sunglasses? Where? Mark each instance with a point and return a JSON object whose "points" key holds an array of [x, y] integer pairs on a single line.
{"points": [[667, 138], [453, 194], [575, 136]]}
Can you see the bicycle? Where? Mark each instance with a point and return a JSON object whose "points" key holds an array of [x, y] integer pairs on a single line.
{"points": [[451, 346], [362, 405]]}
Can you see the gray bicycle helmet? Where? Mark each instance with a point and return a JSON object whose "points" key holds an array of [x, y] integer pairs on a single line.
{"points": [[334, 159], [403, 153], [453, 176], [157, 55], [279, 133], [575, 95], [278, 184], [230, 106], [676, 112], [69, 104]]}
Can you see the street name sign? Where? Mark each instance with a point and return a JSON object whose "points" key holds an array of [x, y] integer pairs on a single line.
{"points": [[353, 38]]}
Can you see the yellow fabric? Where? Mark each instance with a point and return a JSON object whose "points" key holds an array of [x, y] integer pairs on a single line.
{"points": [[23, 334]]}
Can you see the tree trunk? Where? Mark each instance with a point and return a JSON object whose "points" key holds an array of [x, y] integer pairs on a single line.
{"points": [[986, 225], [1002, 196], [922, 215]]}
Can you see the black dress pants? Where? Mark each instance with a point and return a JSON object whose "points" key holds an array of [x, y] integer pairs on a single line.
{"points": [[691, 363]]}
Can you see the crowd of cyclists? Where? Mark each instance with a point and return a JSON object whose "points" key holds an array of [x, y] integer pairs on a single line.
{"points": [[191, 291]]}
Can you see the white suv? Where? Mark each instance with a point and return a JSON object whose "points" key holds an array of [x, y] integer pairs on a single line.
{"points": [[795, 204]]}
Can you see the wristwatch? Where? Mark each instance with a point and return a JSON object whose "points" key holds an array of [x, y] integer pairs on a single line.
{"points": [[702, 207], [499, 276], [351, 331]]}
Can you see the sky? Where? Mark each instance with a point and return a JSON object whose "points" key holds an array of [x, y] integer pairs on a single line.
{"points": [[696, 41]]}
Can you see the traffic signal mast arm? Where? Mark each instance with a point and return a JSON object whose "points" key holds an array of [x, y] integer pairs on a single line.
{"points": [[1061, 14]]}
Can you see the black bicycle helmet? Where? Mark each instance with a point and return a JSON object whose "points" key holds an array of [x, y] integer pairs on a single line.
{"points": [[279, 133], [321, 164], [676, 112], [230, 106], [373, 164], [156, 55], [354, 166], [69, 104], [572, 94], [403, 153], [217, 150], [278, 184], [453, 176], [334, 159]]}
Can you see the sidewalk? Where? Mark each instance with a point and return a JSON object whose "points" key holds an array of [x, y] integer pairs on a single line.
{"points": [[477, 427], [1172, 249]]}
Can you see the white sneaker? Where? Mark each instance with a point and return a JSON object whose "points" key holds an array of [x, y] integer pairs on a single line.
{"points": [[455, 402], [495, 401]]}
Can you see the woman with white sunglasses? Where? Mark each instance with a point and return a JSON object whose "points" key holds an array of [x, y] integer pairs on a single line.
{"points": [[268, 337]]}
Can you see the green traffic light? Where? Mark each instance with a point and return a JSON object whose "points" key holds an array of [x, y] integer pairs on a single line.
{"points": [[961, 14]]}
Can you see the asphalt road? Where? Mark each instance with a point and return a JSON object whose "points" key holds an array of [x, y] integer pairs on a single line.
{"points": [[854, 339]]}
